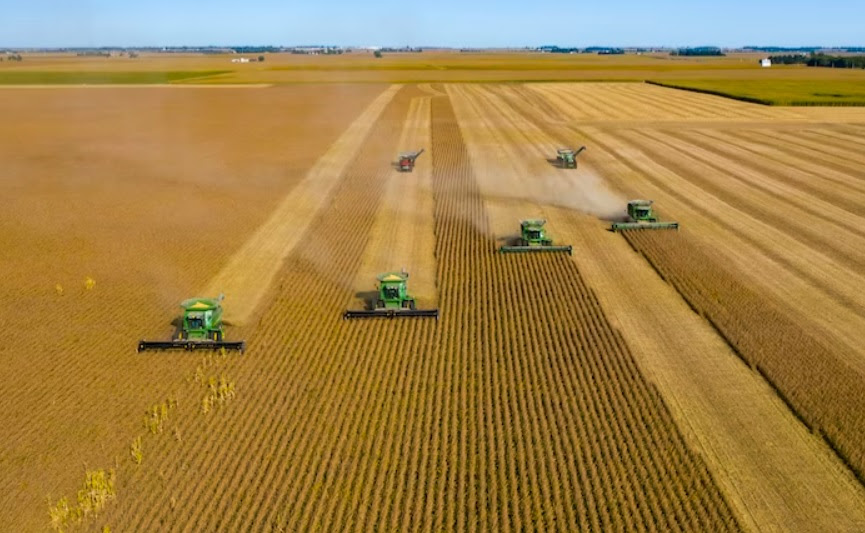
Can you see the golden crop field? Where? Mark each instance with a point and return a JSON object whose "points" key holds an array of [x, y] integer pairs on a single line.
{"points": [[706, 379]]}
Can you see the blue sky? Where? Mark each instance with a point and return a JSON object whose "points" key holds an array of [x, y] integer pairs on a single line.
{"points": [[444, 22]]}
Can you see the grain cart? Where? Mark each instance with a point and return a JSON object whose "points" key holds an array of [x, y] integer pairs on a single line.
{"points": [[392, 300], [407, 159], [641, 216], [534, 238], [567, 157], [201, 329]]}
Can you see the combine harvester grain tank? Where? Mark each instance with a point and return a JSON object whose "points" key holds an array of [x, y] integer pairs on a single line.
{"points": [[641, 216], [392, 300], [201, 329], [534, 238]]}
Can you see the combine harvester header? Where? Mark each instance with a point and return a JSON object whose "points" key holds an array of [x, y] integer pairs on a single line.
{"points": [[641, 216], [533, 238], [201, 329], [392, 301]]}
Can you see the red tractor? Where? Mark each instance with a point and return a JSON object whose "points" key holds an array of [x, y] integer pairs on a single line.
{"points": [[407, 159]]}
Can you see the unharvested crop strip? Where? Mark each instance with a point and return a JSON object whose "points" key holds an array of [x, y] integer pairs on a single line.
{"points": [[827, 394]]}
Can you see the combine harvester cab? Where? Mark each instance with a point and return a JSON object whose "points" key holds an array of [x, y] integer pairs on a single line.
{"points": [[567, 157], [201, 329], [641, 216], [406, 160], [533, 238], [392, 300]]}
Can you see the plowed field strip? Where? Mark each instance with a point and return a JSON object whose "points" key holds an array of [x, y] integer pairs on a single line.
{"points": [[248, 274]]}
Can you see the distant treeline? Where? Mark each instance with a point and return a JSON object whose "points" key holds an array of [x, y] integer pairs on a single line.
{"points": [[253, 49], [405, 49], [820, 60], [328, 51], [698, 51], [602, 50], [803, 49]]}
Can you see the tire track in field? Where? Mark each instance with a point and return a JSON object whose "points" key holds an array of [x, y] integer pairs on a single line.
{"points": [[249, 273]]}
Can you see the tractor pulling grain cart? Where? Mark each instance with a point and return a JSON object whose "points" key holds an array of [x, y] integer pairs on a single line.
{"points": [[642, 216], [201, 329], [406, 160], [567, 157], [534, 238], [392, 300]]}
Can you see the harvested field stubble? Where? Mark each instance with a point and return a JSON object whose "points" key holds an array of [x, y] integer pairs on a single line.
{"points": [[826, 393]]}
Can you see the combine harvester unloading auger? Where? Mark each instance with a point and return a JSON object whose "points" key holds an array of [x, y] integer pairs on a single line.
{"points": [[533, 238], [392, 300], [201, 329], [641, 216]]}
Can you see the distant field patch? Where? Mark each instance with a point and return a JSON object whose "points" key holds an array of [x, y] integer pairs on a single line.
{"points": [[17, 77], [778, 92]]}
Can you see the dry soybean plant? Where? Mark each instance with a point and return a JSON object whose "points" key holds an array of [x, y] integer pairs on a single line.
{"points": [[136, 450], [219, 391], [98, 490]]}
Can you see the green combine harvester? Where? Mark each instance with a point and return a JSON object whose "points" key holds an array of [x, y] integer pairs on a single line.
{"points": [[533, 238], [201, 329], [393, 300], [641, 216], [567, 157]]}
